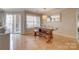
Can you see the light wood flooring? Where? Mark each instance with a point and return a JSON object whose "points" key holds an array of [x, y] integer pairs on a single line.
{"points": [[30, 42]]}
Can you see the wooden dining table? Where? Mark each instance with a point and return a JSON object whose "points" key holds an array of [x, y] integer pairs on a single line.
{"points": [[47, 33]]}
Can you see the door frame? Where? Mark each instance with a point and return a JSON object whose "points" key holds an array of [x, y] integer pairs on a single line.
{"points": [[77, 36]]}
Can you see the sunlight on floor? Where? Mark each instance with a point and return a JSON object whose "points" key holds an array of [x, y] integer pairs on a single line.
{"points": [[30, 42]]}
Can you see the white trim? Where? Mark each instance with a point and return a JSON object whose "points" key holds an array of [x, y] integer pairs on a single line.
{"points": [[76, 25]]}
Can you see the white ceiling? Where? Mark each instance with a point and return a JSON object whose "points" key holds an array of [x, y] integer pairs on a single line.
{"points": [[34, 10]]}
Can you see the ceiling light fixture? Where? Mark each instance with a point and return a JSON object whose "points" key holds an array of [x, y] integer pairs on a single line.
{"points": [[44, 8]]}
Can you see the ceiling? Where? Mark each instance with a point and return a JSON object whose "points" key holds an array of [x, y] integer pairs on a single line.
{"points": [[33, 10]]}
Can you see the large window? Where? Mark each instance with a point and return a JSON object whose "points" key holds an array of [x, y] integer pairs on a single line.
{"points": [[32, 21]]}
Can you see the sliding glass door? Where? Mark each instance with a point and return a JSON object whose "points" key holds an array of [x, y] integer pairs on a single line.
{"points": [[9, 23], [17, 24], [13, 23]]}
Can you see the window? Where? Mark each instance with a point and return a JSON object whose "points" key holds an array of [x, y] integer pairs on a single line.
{"points": [[29, 21], [32, 21], [36, 21]]}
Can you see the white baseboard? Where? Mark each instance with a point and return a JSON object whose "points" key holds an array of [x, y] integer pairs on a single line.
{"points": [[65, 35]]}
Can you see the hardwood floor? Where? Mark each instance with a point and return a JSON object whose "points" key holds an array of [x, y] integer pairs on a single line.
{"points": [[30, 42]]}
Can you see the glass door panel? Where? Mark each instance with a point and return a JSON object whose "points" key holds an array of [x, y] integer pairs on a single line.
{"points": [[13, 23], [9, 23]]}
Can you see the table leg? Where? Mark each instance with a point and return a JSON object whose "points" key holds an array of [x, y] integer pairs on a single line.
{"points": [[50, 38]]}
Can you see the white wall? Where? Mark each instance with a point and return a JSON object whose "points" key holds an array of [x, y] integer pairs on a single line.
{"points": [[67, 25]]}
